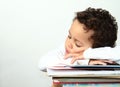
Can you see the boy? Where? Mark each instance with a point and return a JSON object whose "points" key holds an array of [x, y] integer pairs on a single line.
{"points": [[91, 28]]}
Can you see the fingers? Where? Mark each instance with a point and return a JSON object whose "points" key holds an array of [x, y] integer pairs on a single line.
{"points": [[67, 56], [74, 59], [70, 56], [101, 63], [98, 62], [108, 61], [73, 55]]}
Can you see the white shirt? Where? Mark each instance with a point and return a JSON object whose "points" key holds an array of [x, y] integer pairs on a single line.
{"points": [[103, 53], [57, 56]]}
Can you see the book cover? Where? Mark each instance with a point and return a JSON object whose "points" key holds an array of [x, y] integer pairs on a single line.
{"points": [[92, 85], [82, 71], [84, 80]]}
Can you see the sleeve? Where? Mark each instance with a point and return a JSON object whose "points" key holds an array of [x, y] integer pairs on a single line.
{"points": [[83, 62], [49, 59], [102, 53], [56, 57]]}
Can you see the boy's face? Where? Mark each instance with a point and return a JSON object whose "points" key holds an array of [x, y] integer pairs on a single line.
{"points": [[78, 38]]}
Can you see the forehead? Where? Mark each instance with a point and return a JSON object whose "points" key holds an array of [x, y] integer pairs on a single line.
{"points": [[79, 32]]}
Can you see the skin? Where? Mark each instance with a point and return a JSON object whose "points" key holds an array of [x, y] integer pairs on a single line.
{"points": [[78, 41]]}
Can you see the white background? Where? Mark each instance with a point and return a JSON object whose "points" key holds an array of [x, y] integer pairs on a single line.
{"points": [[30, 28]]}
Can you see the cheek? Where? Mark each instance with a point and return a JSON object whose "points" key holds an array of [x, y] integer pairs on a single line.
{"points": [[66, 43], [79, 50]]}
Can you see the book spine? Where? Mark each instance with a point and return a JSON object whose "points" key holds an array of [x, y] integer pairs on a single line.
{"points": [[91, 85], [56, 82]]}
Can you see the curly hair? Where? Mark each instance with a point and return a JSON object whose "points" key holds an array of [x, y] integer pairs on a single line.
{"points": [[102, 23]]}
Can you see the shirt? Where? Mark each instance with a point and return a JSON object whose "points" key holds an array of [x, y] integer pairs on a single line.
{"points": [[56, 56], [103, 53]]}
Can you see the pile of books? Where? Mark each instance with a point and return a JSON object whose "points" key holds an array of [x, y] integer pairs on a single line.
{"points": [[85, 75], [62, 70]]}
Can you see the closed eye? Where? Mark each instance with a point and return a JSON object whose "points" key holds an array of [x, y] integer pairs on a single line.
{"points": [[78, 45]]}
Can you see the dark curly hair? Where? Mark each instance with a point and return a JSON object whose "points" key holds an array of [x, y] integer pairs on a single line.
{"points": [[102, 23]]}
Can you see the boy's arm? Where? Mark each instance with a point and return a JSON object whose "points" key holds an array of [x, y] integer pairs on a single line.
{"points": [[102, 53], [49, 59], [83, 62]]}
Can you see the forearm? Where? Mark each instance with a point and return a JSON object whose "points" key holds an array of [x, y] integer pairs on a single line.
{"points": [[49, 59], [102, 53]]}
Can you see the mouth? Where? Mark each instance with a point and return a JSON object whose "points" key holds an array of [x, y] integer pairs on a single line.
{"points": [[66, 51]]}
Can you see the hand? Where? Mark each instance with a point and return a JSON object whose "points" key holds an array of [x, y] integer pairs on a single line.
{"points": [[100, 62], [74, 56]]}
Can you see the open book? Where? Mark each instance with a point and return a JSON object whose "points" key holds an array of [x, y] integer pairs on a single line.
{"points": [[83, 70]]}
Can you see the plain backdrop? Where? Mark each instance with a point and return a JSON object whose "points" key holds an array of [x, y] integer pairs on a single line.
{"points": [[30, 28]]}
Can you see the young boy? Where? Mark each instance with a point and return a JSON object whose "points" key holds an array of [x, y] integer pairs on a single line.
{"points": [[90, 29]]}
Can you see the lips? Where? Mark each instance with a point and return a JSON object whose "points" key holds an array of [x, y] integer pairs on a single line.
{"points": [[67, 52]]}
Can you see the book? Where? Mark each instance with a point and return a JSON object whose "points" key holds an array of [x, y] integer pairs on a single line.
{"points": [[95, 67], [82, 71], [92, 85], [85, 76], [84, 80]]}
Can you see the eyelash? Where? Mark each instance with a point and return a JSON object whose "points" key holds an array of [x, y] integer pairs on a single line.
{"points": [[77, 45], [69, 37]]}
